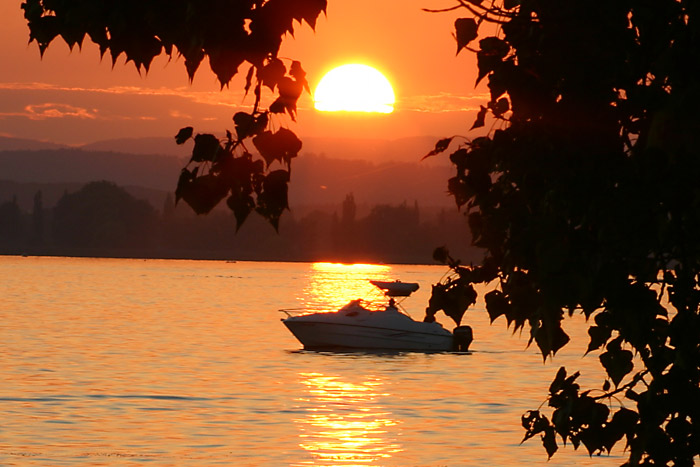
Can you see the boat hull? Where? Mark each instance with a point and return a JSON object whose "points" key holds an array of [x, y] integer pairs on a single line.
{"points": [[318, 335]]}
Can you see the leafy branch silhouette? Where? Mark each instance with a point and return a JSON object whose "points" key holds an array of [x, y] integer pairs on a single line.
{"points": [[229, 34], [586, 201]]}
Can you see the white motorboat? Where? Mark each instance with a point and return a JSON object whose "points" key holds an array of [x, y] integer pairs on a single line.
{"points": [[358, 326]]}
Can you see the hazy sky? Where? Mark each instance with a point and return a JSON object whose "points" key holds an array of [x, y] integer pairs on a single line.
{"points": [[73, 97]]}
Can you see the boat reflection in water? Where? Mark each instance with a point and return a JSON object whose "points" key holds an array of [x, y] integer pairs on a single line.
{"points": [[345, 423]]}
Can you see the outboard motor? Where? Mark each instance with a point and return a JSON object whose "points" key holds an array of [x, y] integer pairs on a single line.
{"points": [[462, 338]]}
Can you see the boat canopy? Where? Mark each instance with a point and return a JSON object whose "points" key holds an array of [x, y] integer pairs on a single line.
{"points": [[396, 288]]}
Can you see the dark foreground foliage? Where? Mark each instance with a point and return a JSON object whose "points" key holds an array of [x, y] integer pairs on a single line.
{"points": [[230, 34], [586, 197]]}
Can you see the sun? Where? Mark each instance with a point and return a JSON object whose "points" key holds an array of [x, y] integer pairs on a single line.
{"points": [[354, 88]]}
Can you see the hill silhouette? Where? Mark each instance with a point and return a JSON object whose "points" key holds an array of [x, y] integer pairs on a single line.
{"points": [[409, 149], [317, 181]]}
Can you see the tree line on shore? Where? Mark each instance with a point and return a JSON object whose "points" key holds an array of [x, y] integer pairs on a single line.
{"points": [[103, 219]]}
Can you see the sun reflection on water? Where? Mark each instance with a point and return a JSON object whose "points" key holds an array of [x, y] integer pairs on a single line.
{"points": [[345, 423], [332, 285]]}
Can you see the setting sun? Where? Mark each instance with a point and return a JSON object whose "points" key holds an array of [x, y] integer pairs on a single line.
{"points": [[354, 88]]}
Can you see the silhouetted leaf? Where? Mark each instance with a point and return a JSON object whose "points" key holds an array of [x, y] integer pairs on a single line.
{"points": [[549, 441], [480, 118], [272, 200], [242, 205], [440, 146], [466, 30], [496, 304], [459, 159], [183, 135], [459, 189], [599, 336], [183, 183], [299, 75], [500, 107], [493, 51], [202, 193], [558, 381], [33, 10], [282, 145], [289, 90], [453, 297], [622, 424], [43, 30], [550, 337], [244, 124], [193, 57], [206, 148], [271, 74], [309, 10], [617, 362], [534, 423]]}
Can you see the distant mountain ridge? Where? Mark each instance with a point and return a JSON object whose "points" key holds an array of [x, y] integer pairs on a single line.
{"points": [[375, 150], [317, 180], [71, 165], [154, 145], [23, 144]]}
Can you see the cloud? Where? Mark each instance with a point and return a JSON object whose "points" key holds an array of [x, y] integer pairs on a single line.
{"points": [[178, 114], [435, 103], [53, 110], [443, 102], [216, 98]]}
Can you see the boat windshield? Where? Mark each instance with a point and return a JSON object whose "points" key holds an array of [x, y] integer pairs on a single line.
{"points": [[396, 288]]}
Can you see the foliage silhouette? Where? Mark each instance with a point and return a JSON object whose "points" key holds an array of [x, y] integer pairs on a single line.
{"points": [[229, 33], [585, 198]]}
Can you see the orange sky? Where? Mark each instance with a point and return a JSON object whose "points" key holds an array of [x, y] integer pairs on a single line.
{"points": [[75, 98]]}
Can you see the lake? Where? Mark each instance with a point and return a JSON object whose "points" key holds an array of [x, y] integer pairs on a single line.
{"points": [[171, 363]]}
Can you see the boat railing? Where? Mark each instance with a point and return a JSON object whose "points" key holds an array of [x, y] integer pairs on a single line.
{"points": [[304, 310], [372, 305]]}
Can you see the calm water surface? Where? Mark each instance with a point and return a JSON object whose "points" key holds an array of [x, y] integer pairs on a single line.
{"points": [[128, 362]]}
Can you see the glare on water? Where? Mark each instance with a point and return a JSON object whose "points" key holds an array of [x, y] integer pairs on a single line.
{"points": [[346, 424], [332, 285], [123, 362]]}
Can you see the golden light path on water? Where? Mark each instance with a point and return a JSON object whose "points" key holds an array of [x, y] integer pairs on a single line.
{"points": [[347, 425], [332, 285]]}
